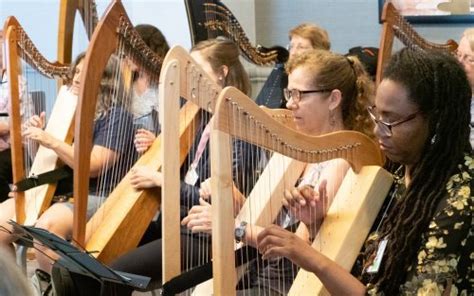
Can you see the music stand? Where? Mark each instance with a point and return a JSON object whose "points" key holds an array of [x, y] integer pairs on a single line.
{"points": [[79, 261]]}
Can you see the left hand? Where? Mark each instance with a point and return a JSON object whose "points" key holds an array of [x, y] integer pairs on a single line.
{"points": [[307, 204], [39, 135], [199, 218]]}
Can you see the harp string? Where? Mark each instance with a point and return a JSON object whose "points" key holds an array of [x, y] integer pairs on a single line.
{"points": [[310, 176], [36, 79]]}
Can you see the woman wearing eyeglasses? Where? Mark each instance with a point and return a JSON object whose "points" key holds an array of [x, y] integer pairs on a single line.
{"points": [[422, 122], [326, 92]]}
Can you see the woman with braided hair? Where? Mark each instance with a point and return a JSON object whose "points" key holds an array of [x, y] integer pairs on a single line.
{"points": [[422, 242]]}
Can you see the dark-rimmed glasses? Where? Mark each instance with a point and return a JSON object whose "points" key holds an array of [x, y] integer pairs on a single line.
{"points": [[295, 94], [386, 127]]}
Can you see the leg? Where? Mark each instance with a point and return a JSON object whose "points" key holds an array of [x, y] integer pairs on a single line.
{"points": [[58, 219], [5, 173], [147, 259], [7, 212]]}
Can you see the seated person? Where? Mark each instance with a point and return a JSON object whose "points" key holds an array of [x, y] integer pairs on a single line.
{"points": [[422, 242], [144, 91], [110, 120], [337, 93], [303, 37]]}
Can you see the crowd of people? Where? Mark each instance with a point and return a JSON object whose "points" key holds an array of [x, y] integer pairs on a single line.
{"points": [[420, 114]]}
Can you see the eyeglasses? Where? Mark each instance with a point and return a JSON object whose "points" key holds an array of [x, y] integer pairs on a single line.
{"points": [[462, 57], [295, 94], [386, 127], [298, 47]]}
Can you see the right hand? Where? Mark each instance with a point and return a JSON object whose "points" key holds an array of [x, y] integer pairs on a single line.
{"points": [[143, 140], [36, 121], [143, 177], [307, 204]]}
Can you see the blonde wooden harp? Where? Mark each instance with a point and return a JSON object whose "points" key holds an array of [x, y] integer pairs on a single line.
{"points": [[20, 49], [181, 77], [346, 225], [394, 25], [121, 220]]}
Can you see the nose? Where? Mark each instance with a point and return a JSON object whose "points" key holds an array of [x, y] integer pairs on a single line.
{"points": [[379, 132], [290, 104]]}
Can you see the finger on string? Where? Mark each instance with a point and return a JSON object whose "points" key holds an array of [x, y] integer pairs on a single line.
{"points": [[201, 228], [42, 118], [203, 202], [298, 197], [273, 252]]}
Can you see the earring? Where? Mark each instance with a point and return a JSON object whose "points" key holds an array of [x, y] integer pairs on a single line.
{"points": [[332, 118], [221, 78]]}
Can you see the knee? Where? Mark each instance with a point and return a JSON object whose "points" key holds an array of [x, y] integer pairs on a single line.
{"points": [[57, 220]]}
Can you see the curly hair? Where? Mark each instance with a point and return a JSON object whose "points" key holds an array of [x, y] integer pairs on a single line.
{"points": [[437, 83], [335, 71]]}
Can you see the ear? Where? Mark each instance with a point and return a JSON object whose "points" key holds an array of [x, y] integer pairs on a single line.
{"points": [[335, 99], [224, 70]]}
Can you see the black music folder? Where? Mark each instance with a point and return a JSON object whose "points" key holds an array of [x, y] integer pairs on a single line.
{"points": [[79, 261]]}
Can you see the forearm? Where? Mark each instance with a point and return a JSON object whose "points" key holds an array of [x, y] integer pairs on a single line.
{"points": [[4, 128], [335, 279], [64, 151]]}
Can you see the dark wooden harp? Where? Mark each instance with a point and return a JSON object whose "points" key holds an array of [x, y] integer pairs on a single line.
{"points": [[395, 25], [67, 14], [122, 219], [19, 47], [211, 18], [238, 116]]}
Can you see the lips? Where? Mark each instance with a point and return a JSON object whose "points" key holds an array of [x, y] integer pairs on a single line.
{"points": [[383, 146]]}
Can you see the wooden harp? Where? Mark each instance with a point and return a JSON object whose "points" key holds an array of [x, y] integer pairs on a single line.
{"points": [[181, 77], [237, 116], [395, 26], [121, 220], [67, 14], [20, 50], [211, 18]]}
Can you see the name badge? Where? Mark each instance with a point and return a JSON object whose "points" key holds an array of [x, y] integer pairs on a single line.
{"points": [[374, 267], [191, 176]]}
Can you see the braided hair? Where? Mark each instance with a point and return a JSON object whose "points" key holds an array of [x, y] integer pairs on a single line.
{"points": [[437, 83]]}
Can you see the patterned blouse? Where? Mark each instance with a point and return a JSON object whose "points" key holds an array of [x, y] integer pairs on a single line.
{"points": [[446, 254]]}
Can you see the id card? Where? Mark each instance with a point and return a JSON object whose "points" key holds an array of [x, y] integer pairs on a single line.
{"points": [[191, 176], [374, 267]]}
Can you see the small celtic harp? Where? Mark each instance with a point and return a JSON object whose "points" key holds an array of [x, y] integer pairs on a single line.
{"points": [[394, 25], [183, 78], [31, 77], [350, 215], [119, 223]]}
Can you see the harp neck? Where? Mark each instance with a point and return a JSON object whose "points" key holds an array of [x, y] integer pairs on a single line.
{"points": [[395, 25], [238, 115]]}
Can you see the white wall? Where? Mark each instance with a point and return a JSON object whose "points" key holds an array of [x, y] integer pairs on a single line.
{"points": [[40, 20]]}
